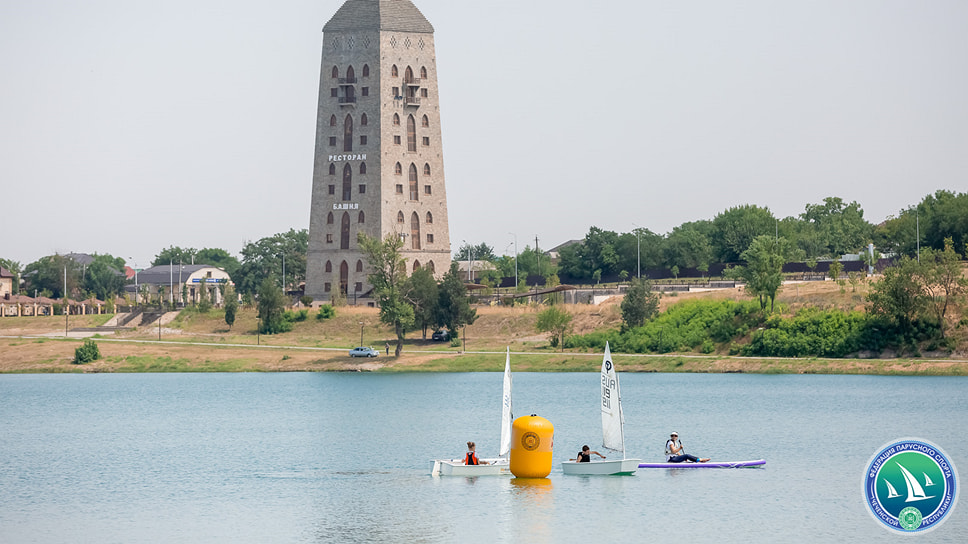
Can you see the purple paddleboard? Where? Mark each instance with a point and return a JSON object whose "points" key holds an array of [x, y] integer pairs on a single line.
{"points": [[709, 464]]}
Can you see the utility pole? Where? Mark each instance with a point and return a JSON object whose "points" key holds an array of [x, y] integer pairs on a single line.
{"points": [[537, 254], [67, 307]]}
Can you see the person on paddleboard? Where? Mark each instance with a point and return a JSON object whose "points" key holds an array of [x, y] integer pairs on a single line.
{"points": [[675, 454], [470, 458], [585, 455]]}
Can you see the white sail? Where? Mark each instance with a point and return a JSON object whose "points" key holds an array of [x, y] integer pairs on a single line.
{"points": [[612, 433], [506, 415], [914, 490], [927, 480], [891, 492]]}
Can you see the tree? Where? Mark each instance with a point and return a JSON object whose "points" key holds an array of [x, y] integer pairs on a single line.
{"points": [[424, 296], [734, 230], [836, 269], [689, 245], [557, 321], [640, 303], [899, 296], [388, 276], [104, 277], [175, 254], [839, 227], [944, 282], [47, 273], [231, 305], [264, 257], [271, 308], [763, 272], [454, 308], [480, 252]]}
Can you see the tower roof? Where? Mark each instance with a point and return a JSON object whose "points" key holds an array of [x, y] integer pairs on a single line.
{"points": [[398, 15]]}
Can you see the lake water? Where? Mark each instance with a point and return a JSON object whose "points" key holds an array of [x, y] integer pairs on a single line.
{"points": [[347, 457]]}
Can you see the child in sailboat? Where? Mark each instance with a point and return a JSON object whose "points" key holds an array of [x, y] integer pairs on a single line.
{"points": [[585, 455], [676, 455], [471, 457]]}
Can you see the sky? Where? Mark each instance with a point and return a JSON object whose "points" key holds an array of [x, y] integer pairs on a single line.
{"points": [[127, 126]]}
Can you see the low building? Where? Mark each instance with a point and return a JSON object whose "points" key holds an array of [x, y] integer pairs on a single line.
{"points": [[179, 283]]}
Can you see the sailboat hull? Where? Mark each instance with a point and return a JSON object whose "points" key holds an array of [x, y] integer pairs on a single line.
{"points": [[710, 464], [601, 468], [456, 467]]}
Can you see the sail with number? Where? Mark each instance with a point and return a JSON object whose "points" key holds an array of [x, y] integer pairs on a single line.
{"points": [[613, 436], [506, 414]]}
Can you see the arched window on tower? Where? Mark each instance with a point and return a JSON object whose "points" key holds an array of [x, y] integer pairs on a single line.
{"points": [[332, 120], [408, 75], [416, 265], [359, 266], [425, 121], [335, 72], [393, 71], [427, 169], [400, 217], [414, 193], [433, 269], [344, 277], [329, 267], [347, 182], [397, 169], [414, 231], [332, 168], [348, 133], [344, 235], [329, 218], [350, 75], [362, 168], [396, 120], [361, 218], [363, 120], [423, 72], [430, 218], [366, 70], [411, 134]]}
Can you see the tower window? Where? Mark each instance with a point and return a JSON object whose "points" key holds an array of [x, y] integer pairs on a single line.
{"points": [[430, 238], [431, 266], [332, 168], [396, 92], [335, 72], [362, 189], [327, 287], [363, 120], [334, 92], [423, 72], [430, 218], [400, 191], [361, 218], [414, 231], [423, 92], [350, 75], [365, 91], [396, 120], [396, 139], [362, 140], [332, 120], [344, 234], [408, 75], [413, 182], [397, 169], [411, 134], [424, 122], [426, 169], [426, 140], [329, 218], [329, 267], [332, 189], [359, 266], [366, 70], [329, 238], [348, 134], [426, 189], [332, 141], [393, 71], [399, 217], [362, 168], [347, 182]]}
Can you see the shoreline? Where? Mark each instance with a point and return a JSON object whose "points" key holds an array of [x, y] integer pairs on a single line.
{"points": [[35, 354]]}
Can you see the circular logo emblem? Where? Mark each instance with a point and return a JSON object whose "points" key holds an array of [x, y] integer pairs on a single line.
{"points": [[530, 441], [910, 486]]}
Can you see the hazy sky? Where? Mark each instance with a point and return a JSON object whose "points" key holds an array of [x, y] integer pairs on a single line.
{"points": [[127, 126]]}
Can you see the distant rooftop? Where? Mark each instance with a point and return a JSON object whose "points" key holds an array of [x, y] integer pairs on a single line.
{"points": [[398, 15]]}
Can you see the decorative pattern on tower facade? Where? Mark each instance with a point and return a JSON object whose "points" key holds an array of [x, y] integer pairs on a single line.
{"points": [[379, 165]]}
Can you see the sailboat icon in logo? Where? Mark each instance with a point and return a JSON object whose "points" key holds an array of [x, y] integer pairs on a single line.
{"points": [[914, 490]]}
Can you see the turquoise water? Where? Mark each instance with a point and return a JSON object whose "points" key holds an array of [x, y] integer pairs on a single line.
{"points": [[346, 457]]}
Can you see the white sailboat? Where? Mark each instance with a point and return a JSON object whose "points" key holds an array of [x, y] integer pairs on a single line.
{"points": [[613, 429], [495, 466], [914, 490]]}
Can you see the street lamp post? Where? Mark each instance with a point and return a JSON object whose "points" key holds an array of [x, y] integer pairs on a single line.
{"points": [[515, 260], [361, 334], [638, 252]]}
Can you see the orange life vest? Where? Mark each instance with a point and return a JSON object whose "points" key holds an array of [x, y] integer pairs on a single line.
{"points": [[471, 459]]}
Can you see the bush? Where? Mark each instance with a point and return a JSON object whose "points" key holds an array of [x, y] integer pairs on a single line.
{"points": [[455, 341], [87, 352], [326, 311], [295, 316], [306, 300]]}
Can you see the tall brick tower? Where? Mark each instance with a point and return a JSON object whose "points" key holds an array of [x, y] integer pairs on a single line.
{"points": [[379, 164]]}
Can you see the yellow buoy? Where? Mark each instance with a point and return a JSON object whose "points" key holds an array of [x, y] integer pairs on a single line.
{"points": [[532, 439]]}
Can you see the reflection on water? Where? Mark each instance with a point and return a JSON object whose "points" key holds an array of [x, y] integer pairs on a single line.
{"points": [[279, 457]]}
